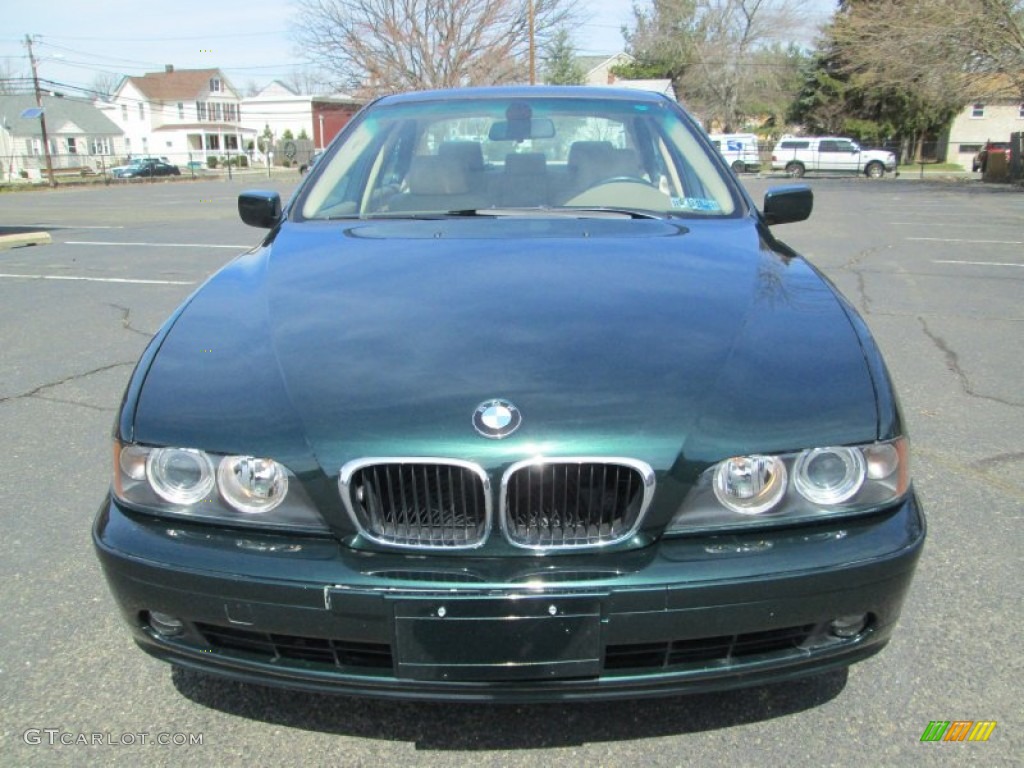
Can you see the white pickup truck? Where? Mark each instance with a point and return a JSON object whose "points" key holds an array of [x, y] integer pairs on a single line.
{"points": [[797, 155]]}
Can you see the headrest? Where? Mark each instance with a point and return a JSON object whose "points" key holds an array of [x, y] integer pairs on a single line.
{"points": [[468, 154], [435, 175], [590, 153], [526, 163]]}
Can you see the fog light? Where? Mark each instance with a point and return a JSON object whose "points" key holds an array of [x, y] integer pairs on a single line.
{"points": [[165, 625], [848, 626]]}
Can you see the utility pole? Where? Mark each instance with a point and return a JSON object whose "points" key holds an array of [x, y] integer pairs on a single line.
{"points": [[533, 67], [42, 112]]}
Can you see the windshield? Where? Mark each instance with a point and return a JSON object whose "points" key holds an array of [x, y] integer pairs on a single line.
{"points": [[425, 157]]}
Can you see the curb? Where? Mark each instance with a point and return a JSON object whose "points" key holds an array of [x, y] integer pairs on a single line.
{"points": [[23, 239]]}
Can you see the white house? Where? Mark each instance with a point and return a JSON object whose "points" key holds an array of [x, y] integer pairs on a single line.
{"points": [[81, 138], [280, 109], [985, 119], [185, 115], [598, 71]]}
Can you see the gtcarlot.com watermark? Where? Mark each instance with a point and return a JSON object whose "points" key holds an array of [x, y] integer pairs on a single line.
{"points": [[54, 737]]}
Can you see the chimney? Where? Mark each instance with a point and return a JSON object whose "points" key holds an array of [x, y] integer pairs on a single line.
{"points": [[168, 68]]}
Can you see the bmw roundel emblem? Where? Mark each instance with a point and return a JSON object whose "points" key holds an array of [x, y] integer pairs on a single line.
{"points": [[496, 418]]}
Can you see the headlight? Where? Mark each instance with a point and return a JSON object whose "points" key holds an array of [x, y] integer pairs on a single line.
{"points": [[252, 485], [829, 476], [180, 475], [233, 490], [818, 483], [750, 485]]}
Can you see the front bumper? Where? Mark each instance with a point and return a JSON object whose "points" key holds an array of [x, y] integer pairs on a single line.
{"points": [[683, 615]]}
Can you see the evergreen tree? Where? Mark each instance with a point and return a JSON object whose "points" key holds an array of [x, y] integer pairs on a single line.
{"points": [[559, 61]]}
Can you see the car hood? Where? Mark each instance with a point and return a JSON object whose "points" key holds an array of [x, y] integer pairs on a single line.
{"points": [[645, 339]]}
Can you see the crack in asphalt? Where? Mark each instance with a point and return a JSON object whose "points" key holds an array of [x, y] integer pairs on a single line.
{"points": [[35, 393], [999, 458], [953, 364], [853, 265], [862, 289], [955, 466], [74, 402], [126, 320]]}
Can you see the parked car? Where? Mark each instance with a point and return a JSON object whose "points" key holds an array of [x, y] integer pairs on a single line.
{"points": [[797, 155], [981, 159], [313, 158], [569, 425], [739, 150], [145, 166]]}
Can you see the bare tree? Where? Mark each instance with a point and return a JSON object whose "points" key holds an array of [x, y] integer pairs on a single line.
{"points": [[726, 69], [941, 49], [105, 83], [720, 54], [390, 45], [308, 81], [9, 81]]}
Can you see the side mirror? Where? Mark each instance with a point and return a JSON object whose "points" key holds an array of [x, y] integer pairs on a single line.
{"points": [[792, 202], [260, 208]]}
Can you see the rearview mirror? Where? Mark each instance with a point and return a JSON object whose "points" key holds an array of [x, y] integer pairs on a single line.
{"points": [[520, 130]]}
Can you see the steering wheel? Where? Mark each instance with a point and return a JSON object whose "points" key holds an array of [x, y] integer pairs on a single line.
{"points": [[630, 191], [621, 180]]}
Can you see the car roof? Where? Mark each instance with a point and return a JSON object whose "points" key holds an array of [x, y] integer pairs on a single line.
{"points": [[527, 91]]}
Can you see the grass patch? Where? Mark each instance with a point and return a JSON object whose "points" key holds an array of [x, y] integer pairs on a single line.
{"points": [[932, 166]]}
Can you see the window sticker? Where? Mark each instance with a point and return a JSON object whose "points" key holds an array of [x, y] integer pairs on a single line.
{"points": [[695, 204]]}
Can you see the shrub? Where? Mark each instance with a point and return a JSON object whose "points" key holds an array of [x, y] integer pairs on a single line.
{"points": [[211, 162]]}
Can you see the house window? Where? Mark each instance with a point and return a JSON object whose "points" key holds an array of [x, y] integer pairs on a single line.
{"points": [[72, 145], [1020, 111], [142, 111], [33, 147], [200, 110], [124, 112], [230, 113], [212, 141], [181, 110], [215, 111], [99, 146], [978, 110], [214, 84], [231, 142]]}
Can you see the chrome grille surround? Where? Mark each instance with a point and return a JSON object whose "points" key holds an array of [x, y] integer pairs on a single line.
{"points": [[551, 504], [418, 502]]}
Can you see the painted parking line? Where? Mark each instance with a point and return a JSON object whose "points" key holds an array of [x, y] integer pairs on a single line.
{"points": [[97, 279], [70, 226], [159, 245], [956, 240], [978, 263]]}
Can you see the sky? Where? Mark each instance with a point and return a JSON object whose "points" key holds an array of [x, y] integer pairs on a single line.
{"points": [[250, 42]]}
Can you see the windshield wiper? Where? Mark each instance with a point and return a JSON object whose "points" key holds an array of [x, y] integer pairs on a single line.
{"points": [[504, 212], [568, 213]]}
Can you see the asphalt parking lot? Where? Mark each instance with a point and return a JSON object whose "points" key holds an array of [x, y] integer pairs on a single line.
{"points": [[937, 270]]}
